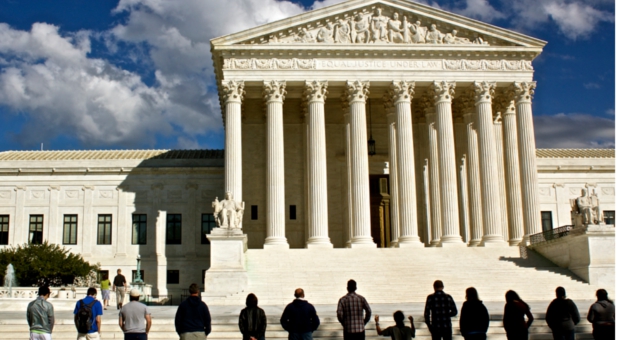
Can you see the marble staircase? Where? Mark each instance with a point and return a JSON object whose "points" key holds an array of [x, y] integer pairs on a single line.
{"points": [[401, 275]]}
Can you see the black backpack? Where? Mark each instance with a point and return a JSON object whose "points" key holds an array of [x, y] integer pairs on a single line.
{"points": [[84, 317]]}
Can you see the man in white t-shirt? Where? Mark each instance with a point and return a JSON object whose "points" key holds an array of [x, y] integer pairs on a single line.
{"points": [[134, 318]]}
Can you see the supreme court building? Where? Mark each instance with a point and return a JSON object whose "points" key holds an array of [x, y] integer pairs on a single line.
{"points": [[366, 124]]}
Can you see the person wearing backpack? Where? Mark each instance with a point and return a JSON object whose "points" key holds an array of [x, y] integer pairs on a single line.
{"points": [[88, 313], [562, 316]]}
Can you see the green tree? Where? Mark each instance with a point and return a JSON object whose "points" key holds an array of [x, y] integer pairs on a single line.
{"points": [[49, 263]]}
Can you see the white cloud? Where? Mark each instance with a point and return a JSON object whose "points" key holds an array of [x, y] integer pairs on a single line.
{"points": [[591, 85], [481, 9], [574, 130]]}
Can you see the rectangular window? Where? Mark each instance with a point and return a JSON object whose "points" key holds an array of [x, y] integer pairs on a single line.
{"points": [[174, 229], [4, 229], [253, 212], [139, 228], [134, 275], [69, 235], [173, 277], [292, 212], [36, 229], [104, 230], [207, 224], [609, 217], [547, 220]]}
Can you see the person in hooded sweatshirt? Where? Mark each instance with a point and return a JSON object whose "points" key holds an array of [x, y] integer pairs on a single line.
{"points": [[300, 318], [562, 316], [193, 320], [474, 318], [602, 317], [252, 321]]}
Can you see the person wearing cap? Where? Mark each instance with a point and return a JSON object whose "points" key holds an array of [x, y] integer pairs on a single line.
{"points": [[438, 310], [40, 316], [135, 320], [353, 312]]}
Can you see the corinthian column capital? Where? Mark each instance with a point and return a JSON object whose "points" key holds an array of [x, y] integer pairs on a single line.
{"points": [[483, 91], [402, 91], [274, 91], [316, 91], [503, 102], [357, 91], [523, 91], [442, 91], [233, 91]]}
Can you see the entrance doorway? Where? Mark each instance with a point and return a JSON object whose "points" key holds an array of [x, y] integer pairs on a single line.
{"points": [[380, 210]]}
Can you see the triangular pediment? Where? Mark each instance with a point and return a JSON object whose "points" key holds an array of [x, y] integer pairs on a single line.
{"points": [[379, 22]]}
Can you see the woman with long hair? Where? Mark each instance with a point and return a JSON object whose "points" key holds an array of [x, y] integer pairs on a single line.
{"points": [[474, 318], [602, 316], [514, 314], [252, 321]]}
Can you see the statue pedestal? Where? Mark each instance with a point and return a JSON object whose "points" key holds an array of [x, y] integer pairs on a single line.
{"points": [[227, 274], [143, 287]]}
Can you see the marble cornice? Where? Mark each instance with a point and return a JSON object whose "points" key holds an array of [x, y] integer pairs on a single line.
{"points": [[109, 170]]}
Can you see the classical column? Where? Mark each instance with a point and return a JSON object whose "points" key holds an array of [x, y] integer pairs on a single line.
{"points": [[512, 173], [394, 212], [348, 167], [491, 214], [427, 201], [463, 196], [523, 93], [443, 92], [433, 169], [421, 148], [503, 204], [233, 93], [274, 94], [315, 94], [473, 176], [357, 92], [402, 93]]}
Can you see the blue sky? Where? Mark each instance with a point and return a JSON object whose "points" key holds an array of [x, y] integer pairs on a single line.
{"points": [[114, 74]]}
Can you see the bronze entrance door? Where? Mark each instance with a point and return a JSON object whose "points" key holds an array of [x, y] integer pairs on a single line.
{"points": [[380, 209]]}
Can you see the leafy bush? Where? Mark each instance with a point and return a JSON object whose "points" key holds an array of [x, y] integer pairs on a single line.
{"points": [[46, 263]]}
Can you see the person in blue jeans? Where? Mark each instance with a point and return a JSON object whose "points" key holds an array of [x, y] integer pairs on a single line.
{"points": [[96, 310]]}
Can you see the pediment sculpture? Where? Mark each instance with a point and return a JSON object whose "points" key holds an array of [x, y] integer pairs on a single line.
{"points": [[586, 209], [228, 213], [372, 28]]}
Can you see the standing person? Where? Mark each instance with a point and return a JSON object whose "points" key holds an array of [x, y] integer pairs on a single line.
{"points": [[134, 319], [105, 284], [399, 331], [120, 288], [562, 316], [438, 310], [88, 313], [252, 321], [474, 318], [193, 317], [40, 316], [300, 318], [602, 316], [514, 317], [349, 313]]}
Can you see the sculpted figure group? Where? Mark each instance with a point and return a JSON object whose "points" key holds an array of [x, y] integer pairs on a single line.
{"points": [[228, 213], [587, 206], [376, 28]]}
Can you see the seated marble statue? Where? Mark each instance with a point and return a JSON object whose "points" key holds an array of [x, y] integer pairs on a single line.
{"points": [[228, 213], [583, 204]]}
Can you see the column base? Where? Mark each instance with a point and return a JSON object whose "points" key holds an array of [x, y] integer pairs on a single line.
{"points": [[319, 242], [452, 239], [435, 243], [410, 242], [453, 244], [276, 243], [394, 244], [474, 243], [515, 242], [363, 242], [493, 241]]}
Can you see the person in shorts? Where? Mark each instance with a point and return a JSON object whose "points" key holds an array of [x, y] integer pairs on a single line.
{"points": [[105, 284]]}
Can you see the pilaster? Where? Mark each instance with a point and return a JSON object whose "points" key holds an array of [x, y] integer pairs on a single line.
{"points": [[90, 223], [55, 222], [122, 231]]}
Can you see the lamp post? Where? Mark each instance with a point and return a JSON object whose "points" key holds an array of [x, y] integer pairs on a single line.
{"points": [[138, 274]]}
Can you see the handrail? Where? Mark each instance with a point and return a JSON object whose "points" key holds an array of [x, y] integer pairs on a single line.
{"points": [[552, 234]]}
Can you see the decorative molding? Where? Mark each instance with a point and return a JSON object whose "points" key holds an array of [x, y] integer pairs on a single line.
{"points": [[376, 64], [357, 91], [402, 91], [608, 191], [483, 91], [72, 193], [5, 195], [233, 91], [274, 91], [442, 91], [192, 186], [315, 91], [106, 194]]}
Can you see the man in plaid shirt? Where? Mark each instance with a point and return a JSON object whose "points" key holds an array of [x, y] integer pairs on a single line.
{"points": [[438, 310], [349, 313]]}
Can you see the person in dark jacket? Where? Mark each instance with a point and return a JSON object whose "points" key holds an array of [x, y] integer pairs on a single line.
{"points": [[514, 314], [438, 311], [474, 319], [300, 318], [602, 317], [193, 317], [562, 316], [252, 320]]}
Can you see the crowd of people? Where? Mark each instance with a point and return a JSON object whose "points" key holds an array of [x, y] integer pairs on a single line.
{"points": [[300, 319]]}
